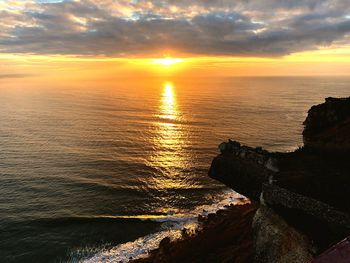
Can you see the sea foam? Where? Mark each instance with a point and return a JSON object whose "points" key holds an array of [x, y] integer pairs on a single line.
{"points": [[172, 226]]}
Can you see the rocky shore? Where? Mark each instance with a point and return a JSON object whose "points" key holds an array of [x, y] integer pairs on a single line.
{"points": [[303, 195], [225, 236], [299, 210]]}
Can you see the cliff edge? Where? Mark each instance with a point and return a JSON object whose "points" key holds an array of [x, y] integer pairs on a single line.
{"points": [[303, 195]]}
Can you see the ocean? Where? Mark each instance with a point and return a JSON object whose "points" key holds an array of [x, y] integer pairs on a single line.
{"points": [[97, 172]]}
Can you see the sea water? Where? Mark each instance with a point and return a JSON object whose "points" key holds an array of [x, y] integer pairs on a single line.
{"points": [[103, 171]]}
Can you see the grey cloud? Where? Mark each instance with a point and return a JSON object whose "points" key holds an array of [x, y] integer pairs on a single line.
{"points": [[220, 28]]}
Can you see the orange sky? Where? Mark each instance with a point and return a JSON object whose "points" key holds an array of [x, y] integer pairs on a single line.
{"points": [[327, 61]]}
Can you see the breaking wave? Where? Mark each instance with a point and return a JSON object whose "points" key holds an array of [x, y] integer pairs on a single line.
{"points": [[172, 226]]}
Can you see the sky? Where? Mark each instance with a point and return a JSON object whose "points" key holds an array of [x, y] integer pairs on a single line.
{"points": [[242, 37]]}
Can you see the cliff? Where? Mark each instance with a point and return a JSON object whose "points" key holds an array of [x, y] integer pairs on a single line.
{"points": [[304, 194], [327, 126]]}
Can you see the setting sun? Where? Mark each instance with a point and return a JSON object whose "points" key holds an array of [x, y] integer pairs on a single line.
{"points": [[167, 61]]}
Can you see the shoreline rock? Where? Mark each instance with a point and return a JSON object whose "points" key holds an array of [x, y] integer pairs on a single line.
{"points": [[225, 236], [307, 190]]}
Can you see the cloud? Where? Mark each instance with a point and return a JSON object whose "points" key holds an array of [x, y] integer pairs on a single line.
{"points": [[11, 76], [193, 27]]}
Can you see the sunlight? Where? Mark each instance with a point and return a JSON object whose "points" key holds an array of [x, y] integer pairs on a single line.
{"points": [[169, 143], [168, 61], [168, 102]]}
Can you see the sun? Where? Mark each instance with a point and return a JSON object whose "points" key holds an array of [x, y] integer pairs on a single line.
{"points": [[168, 61]]}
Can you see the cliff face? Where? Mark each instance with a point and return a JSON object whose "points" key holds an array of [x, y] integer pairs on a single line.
{"points": [[286, 244], [243, 168], [327, 126], [307, 189]]}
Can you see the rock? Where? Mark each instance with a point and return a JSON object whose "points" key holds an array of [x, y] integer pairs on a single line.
{"points": [[234, 145], [271, 164], [225, 237], [327, 126], [308, 188], [222, 147], [242, 173], [229, 147], [164, 243], [277, 242], [323, 223]]}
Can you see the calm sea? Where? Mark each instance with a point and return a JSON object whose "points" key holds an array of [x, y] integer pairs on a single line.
{"points": [[87, 166]]}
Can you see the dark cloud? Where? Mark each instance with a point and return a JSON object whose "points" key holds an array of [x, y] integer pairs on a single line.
{"points": [[202, 27]]}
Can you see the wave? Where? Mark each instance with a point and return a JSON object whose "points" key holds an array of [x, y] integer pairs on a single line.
{"points": [[172, 226], [93, 219], [112, 219]]}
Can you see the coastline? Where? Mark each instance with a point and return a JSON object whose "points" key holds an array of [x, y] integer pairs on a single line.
{"points": [[302, 194], [298, 199], [172, 227], [224, 236]]}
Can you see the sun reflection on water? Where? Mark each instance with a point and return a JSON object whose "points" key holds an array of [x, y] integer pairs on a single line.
{"points": [[168, 105], [170, 157]]}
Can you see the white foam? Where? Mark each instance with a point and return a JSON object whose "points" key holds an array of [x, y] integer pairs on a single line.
{"points": [[172, 227]]}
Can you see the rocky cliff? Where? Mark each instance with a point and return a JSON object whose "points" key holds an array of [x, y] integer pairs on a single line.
{"points": [[304, 194], [327, 126]]}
